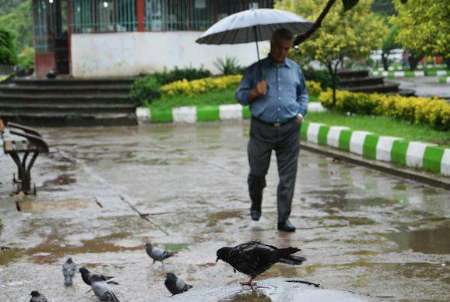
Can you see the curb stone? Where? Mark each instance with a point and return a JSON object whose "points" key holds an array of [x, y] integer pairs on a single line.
{"points": [[422, 156], [193, 114], [410, 74]]}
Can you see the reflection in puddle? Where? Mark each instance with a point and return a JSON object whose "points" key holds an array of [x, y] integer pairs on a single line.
{"points": [[429, 241], [34, 206], [254, 296]]}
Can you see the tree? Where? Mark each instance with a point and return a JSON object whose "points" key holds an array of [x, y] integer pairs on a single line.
{"points": [[8, 54], [19, 21], [352, 34], [424, 26]]}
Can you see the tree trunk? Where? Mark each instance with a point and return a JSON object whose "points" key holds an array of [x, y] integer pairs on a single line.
{"points": [[333, 82], [385, 61]]}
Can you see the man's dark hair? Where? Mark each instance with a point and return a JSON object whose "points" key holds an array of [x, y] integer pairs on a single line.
{"points": [[282, 34]]}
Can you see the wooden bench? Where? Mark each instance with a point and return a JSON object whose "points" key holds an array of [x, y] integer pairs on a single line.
{"points": [[23, 145]]}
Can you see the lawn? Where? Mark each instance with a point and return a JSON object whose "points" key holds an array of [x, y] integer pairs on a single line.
{"points": [[225, 96], [383, 126]]}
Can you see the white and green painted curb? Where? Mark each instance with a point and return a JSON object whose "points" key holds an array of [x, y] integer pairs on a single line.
{"points": [[411, 74], [444, 80], [395, 150], [193, 114]]}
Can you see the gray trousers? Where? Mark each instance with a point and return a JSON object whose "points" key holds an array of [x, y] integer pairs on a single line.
{"points": [[285, 141]]}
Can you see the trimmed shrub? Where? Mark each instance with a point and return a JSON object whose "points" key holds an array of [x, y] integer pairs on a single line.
{"points": [[201, 85], [145, 89], [431, 111], [313, 88], [179, 74]]}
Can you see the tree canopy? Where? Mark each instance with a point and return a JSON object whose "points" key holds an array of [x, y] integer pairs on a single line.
{"points": [[424, 26], [18, 20], [352, 34]]}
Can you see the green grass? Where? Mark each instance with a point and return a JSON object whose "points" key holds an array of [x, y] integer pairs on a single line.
{"points": [[225, 96], [383, 126]]}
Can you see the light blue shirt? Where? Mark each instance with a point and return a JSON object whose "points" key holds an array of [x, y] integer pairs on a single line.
{"points": [[286, 91]]}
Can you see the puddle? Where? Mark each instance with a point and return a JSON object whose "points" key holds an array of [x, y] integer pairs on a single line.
{"points": [[9, 255], [61, 180], [38, 206], [215, 218], [53, 249], [255, 296], [428, 241]]}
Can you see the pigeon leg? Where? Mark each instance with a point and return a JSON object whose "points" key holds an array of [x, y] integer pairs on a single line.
{"points": [[249, 283]]}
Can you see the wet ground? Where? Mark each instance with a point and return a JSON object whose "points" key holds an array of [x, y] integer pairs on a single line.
{"points": [[363, 232], [425, 86]]}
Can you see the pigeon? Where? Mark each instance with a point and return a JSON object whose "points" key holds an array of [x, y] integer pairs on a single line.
{"points": [[253, 258], [102, 290], [69, 269], [157, 254], [176, 285], [37, 297], [87, 277]]}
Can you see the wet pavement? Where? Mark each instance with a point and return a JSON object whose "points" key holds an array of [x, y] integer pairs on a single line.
{"points": [[425, 86], [363, 232]]}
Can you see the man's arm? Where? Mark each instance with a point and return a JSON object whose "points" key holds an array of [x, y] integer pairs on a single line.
{"points": [[248, 91]]}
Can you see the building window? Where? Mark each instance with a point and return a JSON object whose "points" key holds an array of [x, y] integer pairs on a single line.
{"points": [[197, 15], [103, 15], [43, 14]]}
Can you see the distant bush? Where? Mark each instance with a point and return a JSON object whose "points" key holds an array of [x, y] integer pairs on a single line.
{"points": [[8, 52], [313, 88], [432, 111], [148, 87], [228, 66], [26, 58], [178, 74], [321, 76]]}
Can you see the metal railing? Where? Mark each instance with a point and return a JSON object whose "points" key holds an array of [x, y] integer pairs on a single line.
{"points": [[91, 16]]}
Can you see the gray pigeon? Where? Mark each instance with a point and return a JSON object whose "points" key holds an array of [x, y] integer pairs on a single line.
{"points": [[157, 254], [176, 285], [102, 290], [69, 269], [87, 277], [37, 297]]}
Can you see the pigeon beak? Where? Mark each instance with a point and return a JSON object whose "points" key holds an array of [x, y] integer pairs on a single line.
{"points": [[217, 260]]}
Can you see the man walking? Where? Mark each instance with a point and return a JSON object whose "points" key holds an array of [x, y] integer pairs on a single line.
{"points": [[275, 90]]}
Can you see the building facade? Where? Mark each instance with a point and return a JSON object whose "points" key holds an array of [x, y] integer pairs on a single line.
{"points": [[117, 38]]}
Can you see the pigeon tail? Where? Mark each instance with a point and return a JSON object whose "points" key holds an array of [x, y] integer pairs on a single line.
{"points": [[287, 258]]}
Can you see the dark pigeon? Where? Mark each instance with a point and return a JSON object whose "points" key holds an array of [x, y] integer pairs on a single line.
{"points": [[157, 254], [37, 297], [102, 290], [176, 285], [87, 277], [253, 258], [69, 270]]}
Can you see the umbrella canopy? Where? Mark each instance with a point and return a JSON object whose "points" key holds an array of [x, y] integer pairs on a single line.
{"points": [[252, 25]]}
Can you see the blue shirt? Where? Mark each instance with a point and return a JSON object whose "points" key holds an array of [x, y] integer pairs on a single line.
{"points": [[286, 91]]}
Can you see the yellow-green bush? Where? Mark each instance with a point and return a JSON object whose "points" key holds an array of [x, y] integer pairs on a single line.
{"points": [[313, 88], [201, 85], [432, 111]]}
